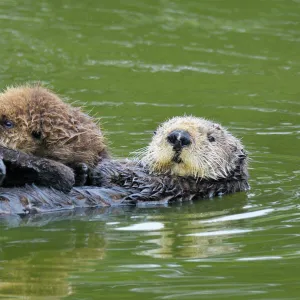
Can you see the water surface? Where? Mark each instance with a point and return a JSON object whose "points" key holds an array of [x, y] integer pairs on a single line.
{"points": [[135, 64]]}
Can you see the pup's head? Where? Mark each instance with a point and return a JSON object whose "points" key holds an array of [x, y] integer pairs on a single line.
{"points": [[35, 120]]}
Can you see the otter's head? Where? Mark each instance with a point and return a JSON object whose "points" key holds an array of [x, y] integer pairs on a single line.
{"points": [[190, 146], [36, 121]]}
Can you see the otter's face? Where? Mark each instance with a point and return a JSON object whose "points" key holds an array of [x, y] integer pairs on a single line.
{"points": [[189, 146], [35, 120], [16, 131]]}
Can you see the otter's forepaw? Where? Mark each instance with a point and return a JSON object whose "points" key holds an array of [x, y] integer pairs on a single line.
{"points": [[81, 172], [2, 171]]}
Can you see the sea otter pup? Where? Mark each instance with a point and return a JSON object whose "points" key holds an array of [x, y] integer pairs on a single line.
{"points": [[36, 121], [188, 157]]}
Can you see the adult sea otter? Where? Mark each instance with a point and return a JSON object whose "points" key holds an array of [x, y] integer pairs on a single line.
{"points": [[187, 158]]}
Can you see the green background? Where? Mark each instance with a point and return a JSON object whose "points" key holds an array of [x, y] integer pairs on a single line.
{"points": [[136, 64]]}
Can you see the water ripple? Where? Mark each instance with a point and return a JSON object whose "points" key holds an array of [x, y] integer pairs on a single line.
{"points": [[220, 232], [259, 258], [230, 53], [147, 226], [241, 216], [141, 66]]}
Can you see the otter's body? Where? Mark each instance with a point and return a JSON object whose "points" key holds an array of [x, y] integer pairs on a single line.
{"points": [[144, 186], [188, 158], [123, 183]]}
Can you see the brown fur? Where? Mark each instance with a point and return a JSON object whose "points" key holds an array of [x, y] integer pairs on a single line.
{"points": [[45, 126]]}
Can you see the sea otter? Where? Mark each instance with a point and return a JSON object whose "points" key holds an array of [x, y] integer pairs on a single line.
{"points": [[187, 158], [36, 121]]}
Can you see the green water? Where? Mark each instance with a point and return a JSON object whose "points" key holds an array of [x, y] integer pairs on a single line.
{"points": [[135, 64]]}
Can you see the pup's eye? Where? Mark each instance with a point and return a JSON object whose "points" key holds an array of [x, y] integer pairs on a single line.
{"points": [[154, 132], [8, 124], [211, 138], [36, 134]]}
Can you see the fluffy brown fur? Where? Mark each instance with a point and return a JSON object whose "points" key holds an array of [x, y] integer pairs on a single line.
{"points": [[35, 120]]}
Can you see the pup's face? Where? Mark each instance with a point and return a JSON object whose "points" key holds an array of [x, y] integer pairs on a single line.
{"points": [[189, 146], [16, 130]]}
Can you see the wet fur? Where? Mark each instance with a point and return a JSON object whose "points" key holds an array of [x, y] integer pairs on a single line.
{"points": [[207, 167], [165, 188], [207, 170]]}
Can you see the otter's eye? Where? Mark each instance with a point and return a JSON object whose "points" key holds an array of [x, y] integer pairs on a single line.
{"points": [[36, 134], [211, 138], [8, 124]]}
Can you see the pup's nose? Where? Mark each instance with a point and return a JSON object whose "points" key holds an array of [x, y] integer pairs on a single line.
{"points": [[179, 139]]}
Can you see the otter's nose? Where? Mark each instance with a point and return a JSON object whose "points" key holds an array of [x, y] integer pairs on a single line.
{"points": [[179, 139]]}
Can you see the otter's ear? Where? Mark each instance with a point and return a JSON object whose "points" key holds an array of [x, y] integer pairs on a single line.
{"points": [[217, 126]]}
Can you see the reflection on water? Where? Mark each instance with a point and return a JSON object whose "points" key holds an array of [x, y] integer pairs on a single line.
{"points": [[135, 64], [40, 261]]}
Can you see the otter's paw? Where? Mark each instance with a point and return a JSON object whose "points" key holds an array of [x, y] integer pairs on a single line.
{"points": [[81, 172], [2, 171]]}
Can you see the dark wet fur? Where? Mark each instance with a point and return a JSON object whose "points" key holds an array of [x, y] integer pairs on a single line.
{"points": [[113, 183], [150, 187], [32, 199], [22, 168]]}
